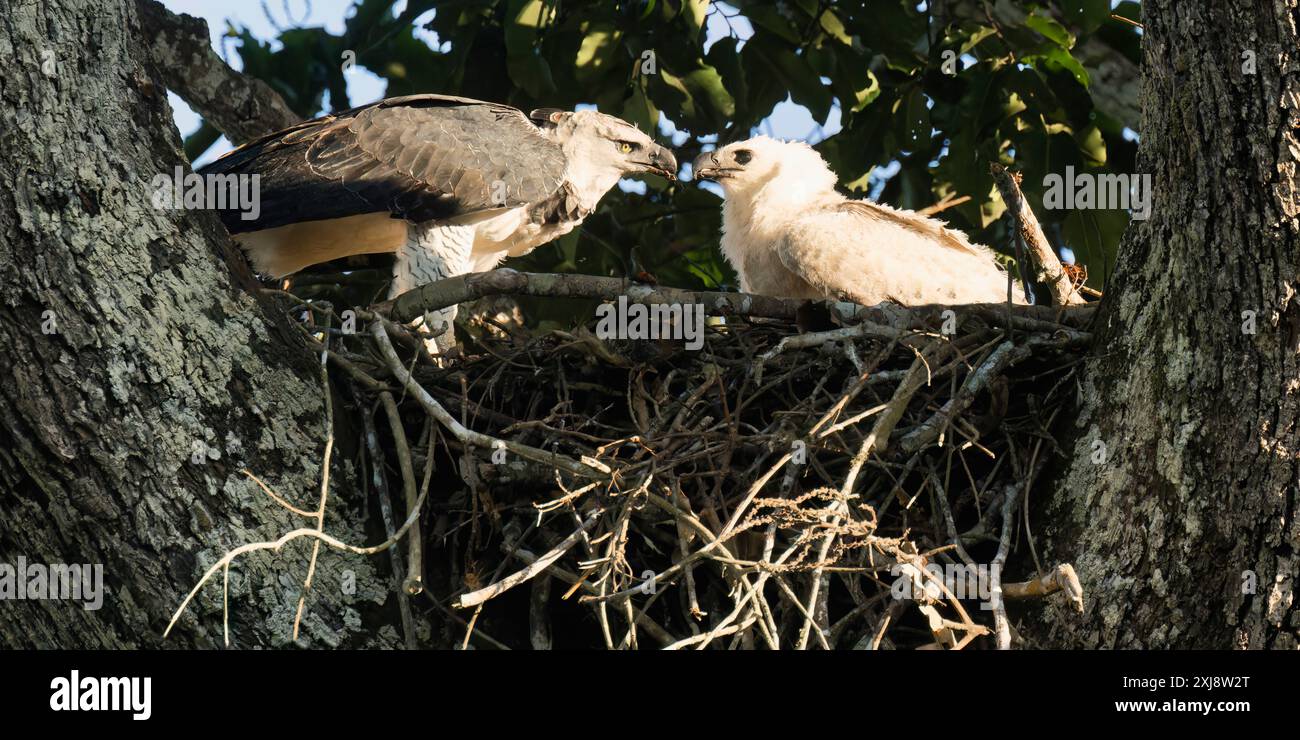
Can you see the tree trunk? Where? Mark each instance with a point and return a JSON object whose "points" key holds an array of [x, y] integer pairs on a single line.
{"points": [[130, 344], [1177, 503]]}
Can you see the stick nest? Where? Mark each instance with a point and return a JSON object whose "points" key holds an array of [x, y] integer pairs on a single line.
{"points": [[776, 488]]}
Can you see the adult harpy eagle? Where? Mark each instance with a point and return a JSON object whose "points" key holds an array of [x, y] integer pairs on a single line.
{"points": [[787, 232], [452, 185]]}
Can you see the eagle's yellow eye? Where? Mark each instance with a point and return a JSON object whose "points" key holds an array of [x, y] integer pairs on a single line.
{"points": [[625, 147]]}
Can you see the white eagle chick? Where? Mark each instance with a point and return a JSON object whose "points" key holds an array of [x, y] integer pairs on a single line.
{"points": [[788, 233]]}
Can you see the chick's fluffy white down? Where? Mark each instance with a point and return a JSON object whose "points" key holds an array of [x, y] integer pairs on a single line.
{"points": [[788, 232]]}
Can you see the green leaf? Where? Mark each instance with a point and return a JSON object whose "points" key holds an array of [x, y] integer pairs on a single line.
{"points": [[769, 18], [528, 19], [1047, 26], [895, 29], [1052, 58], [533, 74], [669, 89], [1093, 235], [694, 12], [723, 57], [1029, 86], [854, 152], [834, 27], [568, 246], [710, 94], [863, 96], [963, 170], [596, 54], [913, 121], [702, 101], [528, 68], [638, 109], [974, 38], [1092, 146], [853, 81], [1087, 14], [792, 73], [201, 140]]}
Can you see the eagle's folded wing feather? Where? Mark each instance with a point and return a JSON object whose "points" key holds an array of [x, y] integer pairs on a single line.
{"points": [[420, 157], [915, 223], [824, 250], [868, 253]]}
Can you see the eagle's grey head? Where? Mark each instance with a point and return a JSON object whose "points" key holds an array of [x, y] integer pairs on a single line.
{"points": [[763, 164], [600, 149]]}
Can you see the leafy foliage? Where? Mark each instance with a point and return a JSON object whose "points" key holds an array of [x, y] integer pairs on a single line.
{"points": [[926, 96]]}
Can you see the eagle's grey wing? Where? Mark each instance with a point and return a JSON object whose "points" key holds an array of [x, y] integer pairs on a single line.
{"points": [[419, 157], [868, 253]]}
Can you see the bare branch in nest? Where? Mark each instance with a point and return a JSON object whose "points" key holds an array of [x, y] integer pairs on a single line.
{"points": [[587, 468], [1002, 626], [1061, 578], [1041, 254], [380, 481], [1006, 355], [414, 548], [537, 566]]}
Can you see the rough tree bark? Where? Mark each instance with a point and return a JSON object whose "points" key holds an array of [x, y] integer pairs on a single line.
{"points": [[1180, 488], [128, 344]]}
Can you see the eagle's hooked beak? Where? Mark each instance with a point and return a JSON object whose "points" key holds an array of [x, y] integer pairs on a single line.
{"points": [[661, 162]]}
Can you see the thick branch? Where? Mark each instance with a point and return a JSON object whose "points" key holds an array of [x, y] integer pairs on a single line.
{"points": [[505, 281], [242, 107]]}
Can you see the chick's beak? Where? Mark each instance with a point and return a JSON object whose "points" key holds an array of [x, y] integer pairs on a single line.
{"points": [[706, 166]]}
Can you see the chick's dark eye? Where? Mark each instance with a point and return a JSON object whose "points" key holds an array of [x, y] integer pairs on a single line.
{"points": [[742, 156]]}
